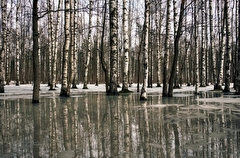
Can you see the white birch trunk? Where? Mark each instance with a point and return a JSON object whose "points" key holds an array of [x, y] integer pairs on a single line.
{"points": [[98, 45], [238, 54], [166, 52], [203, 48], [65, 88], [227, 46], [126, 46], [50, 42], [3, 49], [113, 48], [56, 45], [196, 50], [74, 45], [88, 53], [18, 50], [143, 95]]}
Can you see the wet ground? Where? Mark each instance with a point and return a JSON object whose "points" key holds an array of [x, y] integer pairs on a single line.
{"points": [[95, 125]]}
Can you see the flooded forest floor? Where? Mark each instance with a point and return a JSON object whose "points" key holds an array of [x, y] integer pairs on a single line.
{"points": [[92, 124]]}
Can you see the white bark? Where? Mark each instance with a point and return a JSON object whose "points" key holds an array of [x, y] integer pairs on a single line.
{"points": [[56, 45], [18, 50], [196, 50], [3, 49], [126, 45], [65, 88], [88, 53], [113, 48], [143, 95]]}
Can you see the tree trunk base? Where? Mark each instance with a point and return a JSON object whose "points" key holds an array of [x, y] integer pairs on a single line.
{"points": [[217, 87], [74, 87], [158, 85], [64, 93], [125, 91], [35, 101], [143, 98], [85, 87], [110, 92], [52, 89]]}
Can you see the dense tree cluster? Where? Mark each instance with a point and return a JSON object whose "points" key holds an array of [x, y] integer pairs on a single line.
{"points": [[194, 42]]}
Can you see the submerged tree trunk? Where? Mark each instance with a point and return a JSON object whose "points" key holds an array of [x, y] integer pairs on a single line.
{"points": [[18, 50], [220, 55], [103, 62], [238, 55], [126, 46], [65, 89], [50, 42], [55, 51], [73, 45], [3, 48], [176, 50], [143, 95], [166, 52], [196, 70], [113, 48], [227, 47], [88, 53], [36, 79]]}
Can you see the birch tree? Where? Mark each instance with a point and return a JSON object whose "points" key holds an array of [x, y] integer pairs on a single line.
{"points": [[55, 50], [227, 47], [176, 49], [18, 50], [166, 52], [50, 42], [98, 45], [35, 53], [143, 95], [196, 49], [88, 53], [113, 47], [220, 55], [73, 44], [158, 19], [126, 46], [202, 53], [3, 47], [65, 87], [238, 54]]}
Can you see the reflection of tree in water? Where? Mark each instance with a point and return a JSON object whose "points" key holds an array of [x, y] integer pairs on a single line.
{"points": [[120, 126]]}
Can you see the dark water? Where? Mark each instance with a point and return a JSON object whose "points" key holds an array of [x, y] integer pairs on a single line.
{"points": [[96, 125]]}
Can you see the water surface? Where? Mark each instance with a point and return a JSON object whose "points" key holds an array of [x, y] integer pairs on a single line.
{"points": [[96, 125]]}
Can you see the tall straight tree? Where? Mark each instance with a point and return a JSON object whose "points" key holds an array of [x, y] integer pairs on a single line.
{"points": [[125, 46], [50, 42], [196, 49], [3, 48], [35, 55], [143, 95], [18, 50], [55, 50], [88, 53], [113, 47], [203, 47], [166, 52], [73, 45], [238, 54], [65, 88], [176, 49], [227, 46]]}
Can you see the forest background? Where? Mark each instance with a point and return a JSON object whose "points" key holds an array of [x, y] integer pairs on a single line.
{"points": [[193, 42]]}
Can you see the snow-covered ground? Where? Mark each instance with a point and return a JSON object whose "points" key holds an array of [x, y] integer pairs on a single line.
{"points": [[25, 90]]}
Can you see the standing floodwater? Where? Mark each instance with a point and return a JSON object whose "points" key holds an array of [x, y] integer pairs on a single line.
{"points": [[96, 125]]}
